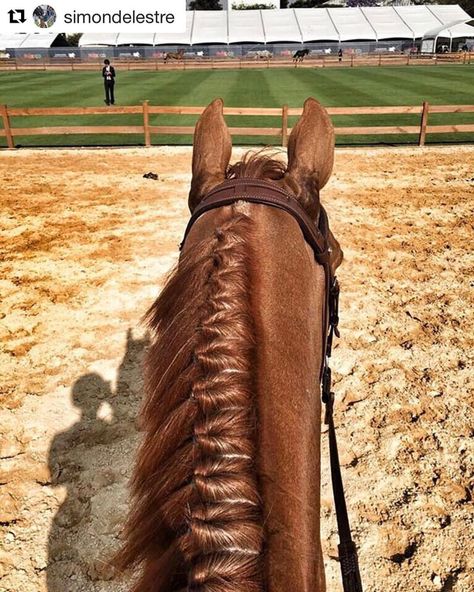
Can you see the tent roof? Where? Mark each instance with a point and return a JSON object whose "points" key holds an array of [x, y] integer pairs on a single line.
{"points": [[447, 13], [136, 39], [98, 39], [281, 25], [27, 40], [418, 18], [452, 30], [210, 26], [316, 24], [246, 25], [387, 23], [351, 24], [12, 40]]}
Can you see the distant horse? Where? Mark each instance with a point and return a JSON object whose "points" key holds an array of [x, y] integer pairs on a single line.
{"points": [[226, 489], [179, 55], [300, 55], [263, 54]]}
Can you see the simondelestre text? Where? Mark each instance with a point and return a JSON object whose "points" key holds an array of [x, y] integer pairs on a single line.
{"points": [[119, 17]]}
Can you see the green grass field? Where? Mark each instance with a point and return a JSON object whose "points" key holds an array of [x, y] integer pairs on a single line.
{"points": [[242, 88]]}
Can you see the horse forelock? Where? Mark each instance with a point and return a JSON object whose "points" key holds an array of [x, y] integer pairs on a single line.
{"points": [[266, 165]]}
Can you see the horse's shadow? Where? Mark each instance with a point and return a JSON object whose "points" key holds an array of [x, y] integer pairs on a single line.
{"points": [[89, 466]]}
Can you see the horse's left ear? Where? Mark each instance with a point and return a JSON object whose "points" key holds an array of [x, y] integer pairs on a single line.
{"points": [[311, 154], [211, 153]]}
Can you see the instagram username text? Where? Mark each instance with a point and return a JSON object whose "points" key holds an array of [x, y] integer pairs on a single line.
{"points": [[119, 17]]}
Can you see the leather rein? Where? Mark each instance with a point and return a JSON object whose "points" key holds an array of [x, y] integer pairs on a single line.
{"points": [[317, 236]]}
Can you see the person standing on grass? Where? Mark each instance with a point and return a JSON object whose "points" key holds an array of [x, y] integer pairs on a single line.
{"points": [[108, 72]]}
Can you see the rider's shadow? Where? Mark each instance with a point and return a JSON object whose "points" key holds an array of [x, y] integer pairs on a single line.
{"points": [[89, 466]]}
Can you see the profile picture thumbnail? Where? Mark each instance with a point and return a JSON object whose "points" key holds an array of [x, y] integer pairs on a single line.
{"points": [[44, 16]]}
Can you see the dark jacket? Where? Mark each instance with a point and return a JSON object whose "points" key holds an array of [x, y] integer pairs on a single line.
{"points": [[111, 73]]}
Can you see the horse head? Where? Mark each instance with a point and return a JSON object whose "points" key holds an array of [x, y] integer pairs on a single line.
{"points": [[310, 160]]}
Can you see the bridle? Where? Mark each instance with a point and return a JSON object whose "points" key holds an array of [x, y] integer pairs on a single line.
{"points": [[317, 236]]}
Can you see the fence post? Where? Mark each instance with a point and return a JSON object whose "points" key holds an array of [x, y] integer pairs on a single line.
{"points": [[146, 123], [7, 127], [423, 123], [352, 60], [380, 59], [408, 58], [284, 126]]}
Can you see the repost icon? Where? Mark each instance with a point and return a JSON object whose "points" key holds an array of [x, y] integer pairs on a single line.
{"points": [[17, 16]]}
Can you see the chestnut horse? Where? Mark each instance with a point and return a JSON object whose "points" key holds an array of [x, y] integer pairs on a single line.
{"points": [[226, 489]]}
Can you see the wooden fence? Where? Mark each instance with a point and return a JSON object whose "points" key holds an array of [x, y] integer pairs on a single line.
{"points": [[216, 63], [282, 132]]}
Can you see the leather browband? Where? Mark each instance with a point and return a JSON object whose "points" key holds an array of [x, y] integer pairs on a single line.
{"points": [[267, 193]]}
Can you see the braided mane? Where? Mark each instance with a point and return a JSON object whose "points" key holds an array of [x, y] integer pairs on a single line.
{"points": [[196, 521]]}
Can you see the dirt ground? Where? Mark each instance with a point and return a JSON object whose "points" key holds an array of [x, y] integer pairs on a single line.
{"points": [[85, 243]]}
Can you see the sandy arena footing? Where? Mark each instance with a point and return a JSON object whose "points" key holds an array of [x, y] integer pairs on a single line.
{"points": [[86, 242]]}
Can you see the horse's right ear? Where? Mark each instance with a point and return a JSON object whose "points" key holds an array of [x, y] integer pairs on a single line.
{"points": [[211, 153]]}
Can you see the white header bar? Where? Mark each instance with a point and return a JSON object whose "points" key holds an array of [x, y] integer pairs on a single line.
{"points": [[91, 16]]}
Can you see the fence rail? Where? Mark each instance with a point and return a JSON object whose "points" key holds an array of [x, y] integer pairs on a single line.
{"points": [[149, 131], [216, 63]]}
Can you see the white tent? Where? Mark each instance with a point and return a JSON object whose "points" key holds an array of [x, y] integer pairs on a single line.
{"points": [[300, 25], [455, 30], [246, 25], [387, 23], [351, 24], [98, 40], [12, 40], [136, 39], [418, 18], [280, 25], [316, 24], [210, 26], [448, 13], [27, 40]]}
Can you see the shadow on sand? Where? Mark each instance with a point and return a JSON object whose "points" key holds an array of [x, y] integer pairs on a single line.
{"points": [[90, 466]]}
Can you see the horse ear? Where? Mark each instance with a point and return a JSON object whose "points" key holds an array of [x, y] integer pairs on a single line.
{"points": [[311, 154], [211, 153]]}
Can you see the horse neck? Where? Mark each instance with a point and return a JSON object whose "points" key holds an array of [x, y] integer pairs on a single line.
{"points": [[288, 294]]}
